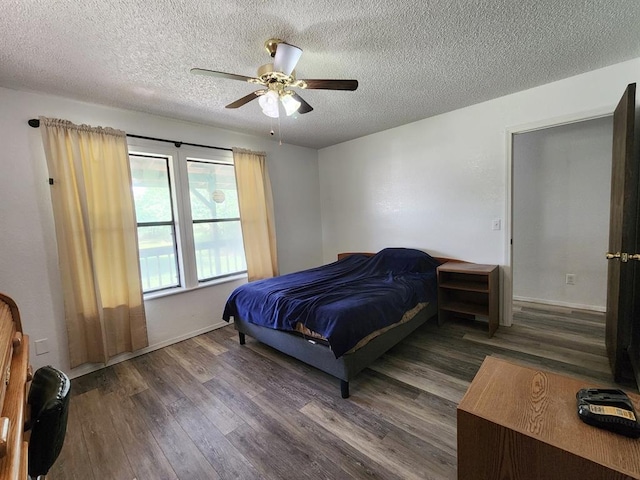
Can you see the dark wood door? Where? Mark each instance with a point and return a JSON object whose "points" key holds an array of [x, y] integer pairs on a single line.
{"points": [[622, 237]]}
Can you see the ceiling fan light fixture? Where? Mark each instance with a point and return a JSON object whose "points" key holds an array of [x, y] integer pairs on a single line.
{"points": [[290, 104], [286, 58], [269, 104]]}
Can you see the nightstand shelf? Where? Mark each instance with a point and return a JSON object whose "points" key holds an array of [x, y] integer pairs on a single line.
{"points": [[469, 289], [476, 286], [467, 308]]}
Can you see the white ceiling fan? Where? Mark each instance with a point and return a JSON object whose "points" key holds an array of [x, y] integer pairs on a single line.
{"points": [[279, 78]]}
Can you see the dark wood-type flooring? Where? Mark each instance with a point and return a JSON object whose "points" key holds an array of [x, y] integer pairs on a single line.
{"points": [[208, 408]]}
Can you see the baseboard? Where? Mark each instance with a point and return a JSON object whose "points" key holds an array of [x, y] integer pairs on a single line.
{"points": [[93, 367], [554, 303]]}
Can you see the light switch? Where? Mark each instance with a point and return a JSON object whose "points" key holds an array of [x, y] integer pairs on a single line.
{"points": [[496, 224], [42, 346]]}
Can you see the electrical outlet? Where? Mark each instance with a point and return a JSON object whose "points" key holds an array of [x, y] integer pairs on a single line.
{"points": [[42, 346], [570, 279]]}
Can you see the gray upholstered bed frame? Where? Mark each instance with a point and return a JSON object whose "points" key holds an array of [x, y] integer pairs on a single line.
{"points": [[320, 356]]}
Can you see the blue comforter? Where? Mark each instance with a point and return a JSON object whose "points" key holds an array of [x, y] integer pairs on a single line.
{"points": [[344, 301]]}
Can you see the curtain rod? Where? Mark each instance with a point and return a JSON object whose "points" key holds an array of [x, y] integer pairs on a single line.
{"points": [[35, 123]]}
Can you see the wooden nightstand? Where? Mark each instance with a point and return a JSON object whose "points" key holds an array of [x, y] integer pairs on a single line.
{"points": [[469, 289]]}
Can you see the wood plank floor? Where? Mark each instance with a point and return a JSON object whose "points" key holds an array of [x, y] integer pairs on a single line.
{"points": [[208, 408]]}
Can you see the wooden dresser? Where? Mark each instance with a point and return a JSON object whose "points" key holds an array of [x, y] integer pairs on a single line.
{"points": [[521, 423], [15, 376]]}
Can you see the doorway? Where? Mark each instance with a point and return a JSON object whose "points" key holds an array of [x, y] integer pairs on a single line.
{"points": [[560, 214], [506, 283]]}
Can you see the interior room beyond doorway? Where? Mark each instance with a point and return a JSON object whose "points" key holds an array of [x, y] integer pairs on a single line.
{"points": [[561, 197]]}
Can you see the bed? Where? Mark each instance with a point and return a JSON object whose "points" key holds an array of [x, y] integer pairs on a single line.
{"points": [[342, 316]]}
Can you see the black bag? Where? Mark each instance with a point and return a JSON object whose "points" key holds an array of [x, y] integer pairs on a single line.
{"points": [[49, 400]]}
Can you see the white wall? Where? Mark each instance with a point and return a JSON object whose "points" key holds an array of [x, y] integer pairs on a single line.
{"points": [[561, 195], [438, 183], [28, 256]]}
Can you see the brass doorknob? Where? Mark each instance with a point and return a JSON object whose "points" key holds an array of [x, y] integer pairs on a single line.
{"points": [[624, 257]]}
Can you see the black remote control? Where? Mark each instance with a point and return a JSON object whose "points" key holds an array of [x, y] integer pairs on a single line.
{"points": [[610, 409]]}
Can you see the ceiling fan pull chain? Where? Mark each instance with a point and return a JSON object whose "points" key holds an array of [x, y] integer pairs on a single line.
{"points": [[279, 130]]}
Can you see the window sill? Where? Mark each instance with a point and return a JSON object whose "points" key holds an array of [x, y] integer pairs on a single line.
{"points": [[179, 290]]}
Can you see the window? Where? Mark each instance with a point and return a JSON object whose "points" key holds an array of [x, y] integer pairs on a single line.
{"points": [[188, 216], [215, 214], [156, 225]]}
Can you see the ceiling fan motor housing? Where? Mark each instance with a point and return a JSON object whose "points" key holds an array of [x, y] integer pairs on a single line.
{"points": [[275, 80]]}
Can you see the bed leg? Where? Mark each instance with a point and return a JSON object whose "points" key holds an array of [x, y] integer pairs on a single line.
{"points": [[241, 338], [344, 388]]}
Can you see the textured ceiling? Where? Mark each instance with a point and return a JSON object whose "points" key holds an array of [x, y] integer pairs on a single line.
{"points": [[413, 59]]}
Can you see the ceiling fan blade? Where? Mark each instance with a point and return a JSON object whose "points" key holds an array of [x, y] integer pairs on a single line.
{"points": [[244, 100], [304, 106], [287, 57], [213, 73], [331, 84]]}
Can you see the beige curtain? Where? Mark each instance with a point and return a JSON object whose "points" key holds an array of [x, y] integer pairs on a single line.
{"points": [[97, 240], [256, 213]]}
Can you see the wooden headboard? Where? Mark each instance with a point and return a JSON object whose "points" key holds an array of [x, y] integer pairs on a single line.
{"points": [[369, 254]]}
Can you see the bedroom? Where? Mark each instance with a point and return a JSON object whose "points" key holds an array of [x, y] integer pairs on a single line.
{"points": [[360, 195]]}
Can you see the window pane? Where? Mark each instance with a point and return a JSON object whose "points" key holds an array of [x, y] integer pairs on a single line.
{"points": [[158, 262], [150, 179], [212, 188], [219, 249]]}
